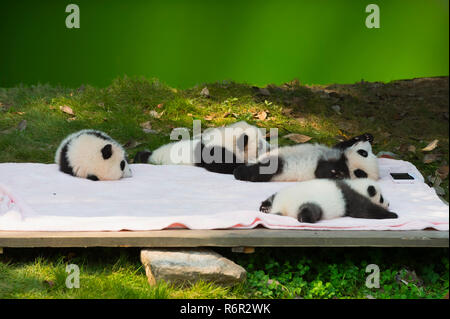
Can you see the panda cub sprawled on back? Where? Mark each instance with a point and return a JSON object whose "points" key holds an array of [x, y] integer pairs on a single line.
{"points": [[322, 199], [218, 150], [93, 155], [349, 159]]}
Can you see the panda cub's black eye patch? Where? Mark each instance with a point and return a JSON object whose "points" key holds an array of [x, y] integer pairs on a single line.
{"points": [[360, 173], [122, 165], [107, 151], [372, 191], [381, 199], [363, 153]]}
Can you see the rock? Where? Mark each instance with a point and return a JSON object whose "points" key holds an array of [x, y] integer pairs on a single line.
{"points": [[205, 92], [264, 92], [190, 265], [439, 190], [336, 108], [298, 138]]}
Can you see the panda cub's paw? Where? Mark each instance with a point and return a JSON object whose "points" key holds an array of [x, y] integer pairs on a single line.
{"points": [[368, 137], [265, 207], [243, 173], [392, 215]]}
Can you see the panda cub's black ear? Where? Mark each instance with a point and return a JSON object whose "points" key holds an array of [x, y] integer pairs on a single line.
{"points": [[107, 151]]}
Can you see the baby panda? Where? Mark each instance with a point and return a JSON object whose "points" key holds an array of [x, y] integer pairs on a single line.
{"points": [[218, 150], [349, 159], [322, 199], [93, 155]]}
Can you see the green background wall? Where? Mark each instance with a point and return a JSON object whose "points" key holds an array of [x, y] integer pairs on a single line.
{"points": [[187, 42]]}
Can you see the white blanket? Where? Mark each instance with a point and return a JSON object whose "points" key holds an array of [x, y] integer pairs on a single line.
{"points": [[37, 197]]}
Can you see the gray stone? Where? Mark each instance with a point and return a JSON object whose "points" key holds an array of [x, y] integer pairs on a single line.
{"points": [[336, 108], [264, 92], [190, 265], [205, 92]]}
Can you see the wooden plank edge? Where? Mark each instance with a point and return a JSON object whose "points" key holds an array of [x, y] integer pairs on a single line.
{"points": [[226, 238]]}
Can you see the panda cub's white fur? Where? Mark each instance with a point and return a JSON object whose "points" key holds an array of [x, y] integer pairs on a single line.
{"points": [[323, 199], [92, 154], [216, 149]]}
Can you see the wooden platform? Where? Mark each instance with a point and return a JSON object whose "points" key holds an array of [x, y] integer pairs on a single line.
{"points": [[259, 237]]}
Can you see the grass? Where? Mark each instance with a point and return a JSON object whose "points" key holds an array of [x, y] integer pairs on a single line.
{"points": [[272, 273], [404, 116]]}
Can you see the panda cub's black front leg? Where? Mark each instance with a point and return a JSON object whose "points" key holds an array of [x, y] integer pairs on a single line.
{"points": [[366, 137], [259, 172], [266, 206]]}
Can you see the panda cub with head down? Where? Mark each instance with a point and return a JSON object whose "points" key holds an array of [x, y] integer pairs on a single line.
{"points": [[322, 199], [349, 159], [218, 150], [93, 155]]}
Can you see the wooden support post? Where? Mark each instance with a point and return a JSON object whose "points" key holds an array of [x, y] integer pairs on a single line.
{"points": [[1, 250]]}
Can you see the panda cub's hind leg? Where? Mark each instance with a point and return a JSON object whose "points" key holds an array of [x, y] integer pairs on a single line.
{"points": [[142, 156], [309, 213]]}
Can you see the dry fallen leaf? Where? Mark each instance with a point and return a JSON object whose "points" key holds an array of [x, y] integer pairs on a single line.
{"points": [[442, 171], [298, 138], [286, 111], [66, 109], [261, 115], [70, 119], [209, 117], [430, 146], [429, 158], [412, 148], [155, 114], [146, 125]]}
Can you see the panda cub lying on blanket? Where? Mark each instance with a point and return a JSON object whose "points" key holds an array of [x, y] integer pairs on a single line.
{"points": [[322, 199], [350, 159], [218, 150], [93, 155]]}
